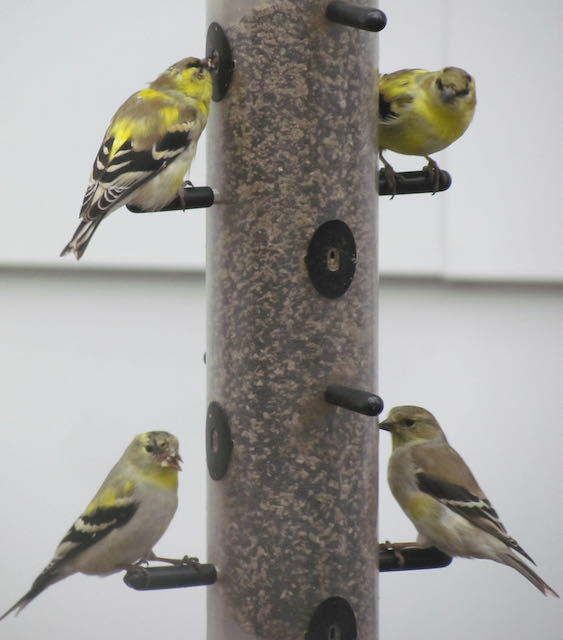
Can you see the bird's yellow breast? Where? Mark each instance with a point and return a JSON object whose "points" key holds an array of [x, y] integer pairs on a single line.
{"points": [[425, 126], [165, 477]]}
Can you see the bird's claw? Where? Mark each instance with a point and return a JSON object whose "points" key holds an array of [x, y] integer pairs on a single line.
{"points": [[182, 562], [186, 185], [433, 171], [188, 561], [396, 549], [390, 176], [391, 179]]}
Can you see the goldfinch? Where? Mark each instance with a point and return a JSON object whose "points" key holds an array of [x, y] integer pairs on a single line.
{"points": [[438, 492], [148, 147], [128, 515], [421, 112]]}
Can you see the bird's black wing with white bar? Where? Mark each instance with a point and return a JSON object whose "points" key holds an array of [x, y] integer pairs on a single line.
{"points": [[476, 509], [115, 176], [89, 528]]}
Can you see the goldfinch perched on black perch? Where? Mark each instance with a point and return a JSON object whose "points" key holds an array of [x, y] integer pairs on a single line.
{"points": [[148, 147], [438, 492], [128, 515], [422, 112]]}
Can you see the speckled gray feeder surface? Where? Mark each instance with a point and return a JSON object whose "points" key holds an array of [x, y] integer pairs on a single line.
{"points": [[294, 520]]}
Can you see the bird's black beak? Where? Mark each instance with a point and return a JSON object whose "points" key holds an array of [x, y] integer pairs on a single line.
{"points": [[386, 425]]}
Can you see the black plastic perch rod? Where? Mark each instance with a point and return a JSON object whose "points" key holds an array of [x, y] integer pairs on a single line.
{"points": [[363, 402], [291, 283], [147, 578], [414, 182], [352, 15], [193, 198], [412, 557]]}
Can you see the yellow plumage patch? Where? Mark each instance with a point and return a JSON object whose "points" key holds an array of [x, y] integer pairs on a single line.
{"points": [[400, 438], [121, 132], [111, 496], [192, 84], [151, 94], [104, 500], [419, 507], [169, 115], [165, 477]]}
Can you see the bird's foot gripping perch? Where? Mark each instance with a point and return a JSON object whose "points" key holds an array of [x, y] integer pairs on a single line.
{"points": [[406, 556], [187, 185], [395, 548], [186, 561], [433, 171], [391, 176]]}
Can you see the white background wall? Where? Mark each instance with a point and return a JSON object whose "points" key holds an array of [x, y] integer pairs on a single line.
{"points": [[89, 358]]}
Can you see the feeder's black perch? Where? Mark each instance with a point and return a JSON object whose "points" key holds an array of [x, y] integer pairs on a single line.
{"points": [[196, 575], [194, 198], [355, 400], [414, 182], [415, 557], [352, 15]]}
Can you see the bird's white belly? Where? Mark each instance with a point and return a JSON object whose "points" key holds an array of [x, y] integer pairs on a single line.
{"points": [[162, 189], [456, 536]]}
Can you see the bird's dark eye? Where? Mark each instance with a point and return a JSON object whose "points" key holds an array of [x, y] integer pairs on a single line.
{"points": [[149, 448], [439, 84], [408, 422]]}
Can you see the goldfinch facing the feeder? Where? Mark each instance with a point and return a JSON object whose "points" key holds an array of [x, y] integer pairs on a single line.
{"points": [[438, 492], [128, 515], [422, 112], [148, 147]]}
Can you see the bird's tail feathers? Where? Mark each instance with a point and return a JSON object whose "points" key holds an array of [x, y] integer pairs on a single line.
{"points": [[514, 561], [51, 574], [81, 237]]}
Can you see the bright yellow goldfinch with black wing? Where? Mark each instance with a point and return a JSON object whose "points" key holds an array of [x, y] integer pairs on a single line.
{"points": [[128, 515], [421, 112], [148, 147], [438, 492]]}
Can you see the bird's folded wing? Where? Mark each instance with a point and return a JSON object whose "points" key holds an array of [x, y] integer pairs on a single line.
{"points": [[396, 92], [119, 169], [93, 525], [450, 481]]}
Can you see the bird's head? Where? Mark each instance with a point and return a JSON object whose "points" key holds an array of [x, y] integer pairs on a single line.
{"points": [[455, 86], [411, 424], [155, 450], [191, 76]]}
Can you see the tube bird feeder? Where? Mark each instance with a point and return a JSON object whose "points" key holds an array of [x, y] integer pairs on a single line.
{"points": [[291, 312]]}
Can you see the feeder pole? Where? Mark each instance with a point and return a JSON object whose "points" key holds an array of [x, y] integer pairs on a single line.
{"points": [[291, 310]]}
